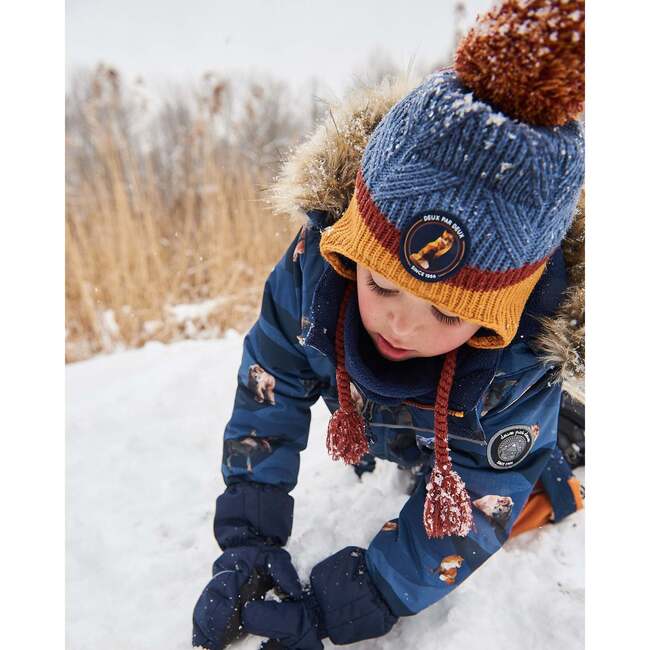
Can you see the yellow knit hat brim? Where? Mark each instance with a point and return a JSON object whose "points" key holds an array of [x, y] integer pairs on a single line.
{"points": [[498, 310]]}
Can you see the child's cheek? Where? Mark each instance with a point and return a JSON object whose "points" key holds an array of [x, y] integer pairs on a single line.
{"points": [[446, 338], [368, 309]]}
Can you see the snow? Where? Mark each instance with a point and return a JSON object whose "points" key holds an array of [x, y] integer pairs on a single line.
{"points": [[109, 330], [187, 312], [143, 446], [467, 104], [495, 118]]}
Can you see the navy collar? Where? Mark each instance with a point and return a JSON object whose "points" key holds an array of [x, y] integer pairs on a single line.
{"points": [[379, 379]]}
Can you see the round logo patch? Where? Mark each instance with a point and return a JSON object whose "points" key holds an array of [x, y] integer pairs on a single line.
{"points": [[434, 246], [510, 446]]}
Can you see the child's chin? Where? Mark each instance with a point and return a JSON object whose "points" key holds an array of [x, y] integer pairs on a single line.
{"points": [[405, 358], [412, 355], [397, 358]]}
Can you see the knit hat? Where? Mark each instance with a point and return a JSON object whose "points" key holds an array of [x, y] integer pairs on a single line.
{"points": [[466, 188]]}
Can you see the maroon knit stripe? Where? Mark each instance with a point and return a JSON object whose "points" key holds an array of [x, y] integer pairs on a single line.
{"points": [[381, 228], [467, 278], [482, 280]]}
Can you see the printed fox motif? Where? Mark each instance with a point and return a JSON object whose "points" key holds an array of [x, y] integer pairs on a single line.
{"points": [[534, 432], [299, 248], [496, 508], [357, 399], [438, 247], [261, 383], [448, 568], [246, 451]]}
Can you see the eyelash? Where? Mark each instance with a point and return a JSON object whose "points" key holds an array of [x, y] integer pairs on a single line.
{"points": [[438, 315], [443, 318], [380, 290]]}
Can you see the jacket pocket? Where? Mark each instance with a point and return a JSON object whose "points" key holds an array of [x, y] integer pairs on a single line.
{"points": [[506, 390]]}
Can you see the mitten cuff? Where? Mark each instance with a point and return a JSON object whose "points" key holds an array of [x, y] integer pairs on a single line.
{"points": [[253, 514]]}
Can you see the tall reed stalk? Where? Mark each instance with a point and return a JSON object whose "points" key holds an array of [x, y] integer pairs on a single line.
{"points": [[151, 226]]}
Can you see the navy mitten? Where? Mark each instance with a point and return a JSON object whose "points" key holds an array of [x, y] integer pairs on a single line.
{"points": [[343, 603], [252, 521], [240, 575]]}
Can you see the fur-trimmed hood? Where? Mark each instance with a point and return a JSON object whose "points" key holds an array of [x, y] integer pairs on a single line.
{"points": [[320, 174]]}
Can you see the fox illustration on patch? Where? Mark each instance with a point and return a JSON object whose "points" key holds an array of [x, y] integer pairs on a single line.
{"points": [[448, 568], [496, 508], [261, 383], [389, 526], [438, 247]]}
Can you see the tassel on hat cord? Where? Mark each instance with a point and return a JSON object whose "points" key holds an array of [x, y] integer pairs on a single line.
{"points": [[346, 437], [447, 506]]}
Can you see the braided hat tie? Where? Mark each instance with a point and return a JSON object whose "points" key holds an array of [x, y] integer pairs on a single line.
{"points": [[346, 431], [447, 506]]}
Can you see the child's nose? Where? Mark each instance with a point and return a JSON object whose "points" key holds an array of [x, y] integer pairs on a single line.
{"points": [[401, 322]]}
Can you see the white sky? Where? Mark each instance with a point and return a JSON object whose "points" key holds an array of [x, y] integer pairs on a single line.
{"points": [[293, 40]]}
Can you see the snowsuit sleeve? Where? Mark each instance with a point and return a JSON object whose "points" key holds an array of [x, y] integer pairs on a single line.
{"points": [[269, 426], [412, 571]]}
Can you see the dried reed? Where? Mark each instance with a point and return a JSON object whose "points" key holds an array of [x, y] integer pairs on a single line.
{"points": [[152, 226]]}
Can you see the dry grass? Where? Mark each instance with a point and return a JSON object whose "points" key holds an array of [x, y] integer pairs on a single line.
{"points": [[165, 204], [151, 226]]}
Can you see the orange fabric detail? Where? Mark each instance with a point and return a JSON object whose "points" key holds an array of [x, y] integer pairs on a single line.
{"points": [[536, 513], [574, 484]]}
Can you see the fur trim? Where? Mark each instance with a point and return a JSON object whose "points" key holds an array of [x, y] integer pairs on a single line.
{"points": [[320, 175], [562, 341]]}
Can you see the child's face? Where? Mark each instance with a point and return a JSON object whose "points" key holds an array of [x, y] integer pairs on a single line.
{"points": [[403, 326]]}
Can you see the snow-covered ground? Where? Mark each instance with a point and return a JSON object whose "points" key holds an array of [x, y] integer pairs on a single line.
{"points": [[144, 434]]}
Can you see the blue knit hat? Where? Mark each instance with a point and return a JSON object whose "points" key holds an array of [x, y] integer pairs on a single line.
{"points": [[461, 202], [466, 188]]}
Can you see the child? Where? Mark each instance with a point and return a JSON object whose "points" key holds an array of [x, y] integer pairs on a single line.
{"points": [[427, 301]]}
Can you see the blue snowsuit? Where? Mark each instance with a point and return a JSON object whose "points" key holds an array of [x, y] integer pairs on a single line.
{"points": [[288, 362]]}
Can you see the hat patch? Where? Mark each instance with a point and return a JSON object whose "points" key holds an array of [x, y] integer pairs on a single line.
{"points": [[435, 246], [510, 446]]}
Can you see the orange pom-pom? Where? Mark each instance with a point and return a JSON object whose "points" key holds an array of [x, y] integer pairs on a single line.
{"points": [[346, 437], [447, 506], [527, 58]]}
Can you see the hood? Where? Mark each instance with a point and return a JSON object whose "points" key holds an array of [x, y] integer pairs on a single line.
{"points": [[320, 175]]}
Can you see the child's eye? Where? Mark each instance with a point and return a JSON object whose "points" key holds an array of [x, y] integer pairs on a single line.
{"points": [[440, 317], [443, 318], [380, 290]]}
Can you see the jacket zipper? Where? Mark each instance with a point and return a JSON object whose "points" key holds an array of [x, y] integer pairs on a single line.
{"points": [[480, 443]]}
